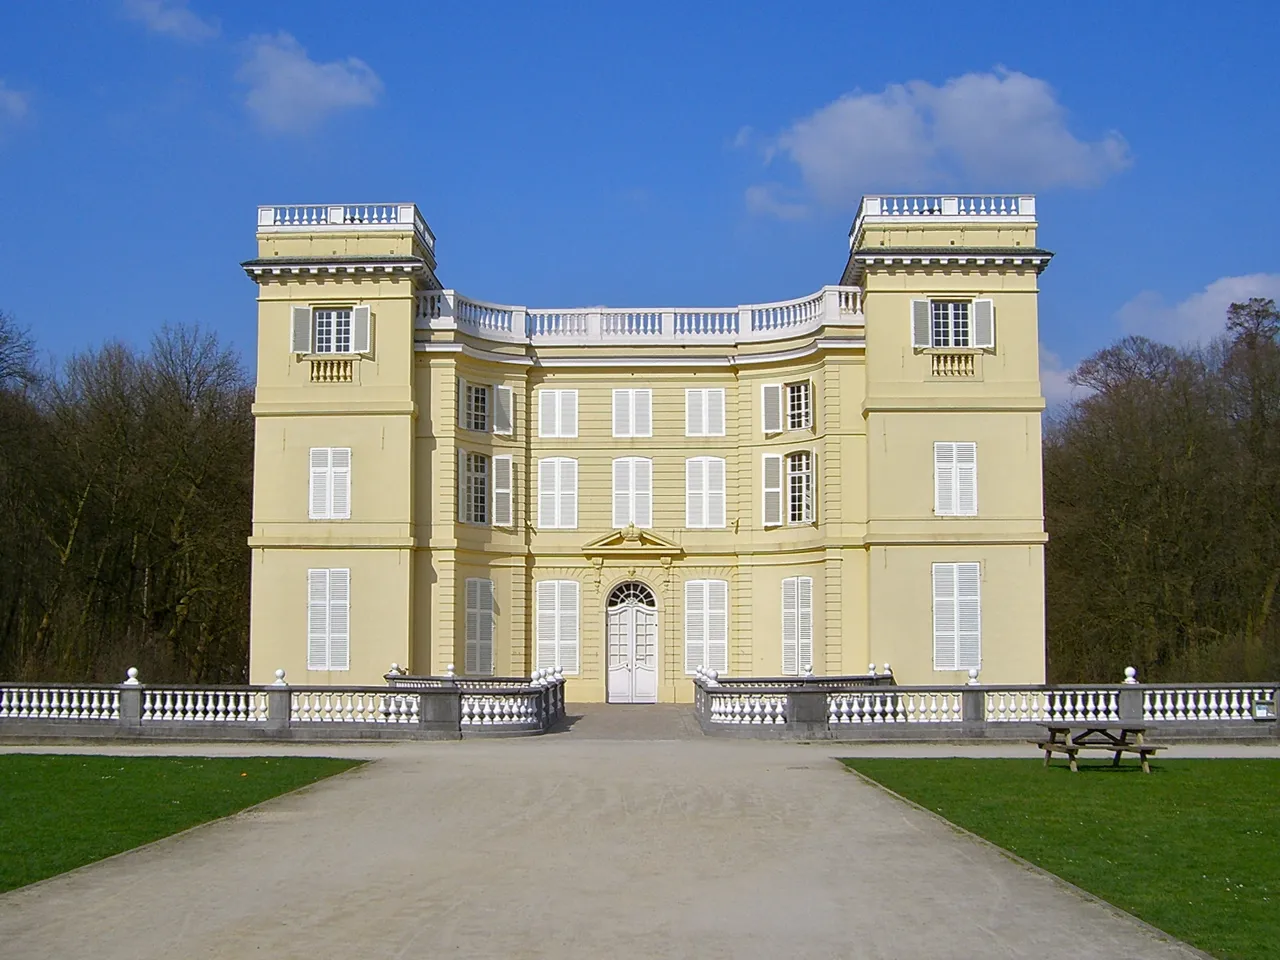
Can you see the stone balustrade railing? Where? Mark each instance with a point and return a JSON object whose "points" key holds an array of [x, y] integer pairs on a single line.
{"points": [[345, 218], [753, 322], [1010, 208], [408, 707]]}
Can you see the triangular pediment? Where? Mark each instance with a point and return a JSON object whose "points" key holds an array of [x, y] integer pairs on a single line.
{"points": [[632, 541]]}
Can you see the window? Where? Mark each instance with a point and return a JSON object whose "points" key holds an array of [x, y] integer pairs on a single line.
{"points": [[330, 490], [328, 619], [474, 487], [333, 331], [330, 330], [706, 625], [800, 487], [557, 413], [704, 492], [633, 492], [799, 411], [957, 616], [953, 323], [484, 408], [955, 479], [556, 625], [475, 414], [633, 413], [797, 625], [557, 493], [704, 413], [478, 656]]}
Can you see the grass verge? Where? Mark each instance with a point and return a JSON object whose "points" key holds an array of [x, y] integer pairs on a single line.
{"points": [[58, 812], [1193, 848]]}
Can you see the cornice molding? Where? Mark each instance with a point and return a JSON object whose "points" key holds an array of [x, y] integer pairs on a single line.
{"points": [[592, 359]]}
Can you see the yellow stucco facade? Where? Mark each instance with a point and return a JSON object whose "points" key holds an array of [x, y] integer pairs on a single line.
{"points": [[387, 530]]}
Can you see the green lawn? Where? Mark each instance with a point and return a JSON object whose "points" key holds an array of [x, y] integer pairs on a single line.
{"points": [[1193, 848], [60, 812]]}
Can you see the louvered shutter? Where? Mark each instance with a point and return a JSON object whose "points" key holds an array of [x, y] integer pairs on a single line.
{"points": [[695, 625], [547, 501], [319, 491], [944, 479], [361, 335], [968, 616], [944, 616], [339, 619], [462, 486], [790, 626], [503, 410], [921, 332], [567, 630], [804, 621], [642, 415], [695, 492], [301, 333], [715, 413], [471, 658], [317, 619], [548, 413], [622, 413], [771, 405], [772, 469], [695, 413], [568, 413], [984, 323], [546, 624], [718, 625], [340, 483], [715, 492], [967, 479], [502, 499], [567, 490], [621, 492], [642, 491], [484, 646]]}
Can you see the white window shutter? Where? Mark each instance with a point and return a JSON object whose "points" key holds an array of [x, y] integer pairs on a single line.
{"points": [[546, 623], [804, 621], [339, 619], [568, 413], [944, 616], [622, 413], [642, 485], [301, 332], [718, 625], [967, 479], [695, 413], [317, 619], [547, 501], [715, 480], [462, 486], [319, 496], [502, 486], [642, 415], [968, 616], [771, 405], [695, 492], [984, 323], [567, 630], [921, 324], [484, 651], [790, 626], [567, 488], [340, 483], [503, 410], [944, 479], [715, 412], [772, 469], [548, 413], [695, 625], [621, 492], [361, 336], [471, 656]]}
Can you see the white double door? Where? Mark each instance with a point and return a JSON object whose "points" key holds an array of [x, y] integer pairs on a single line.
{"points": [[633, 654]]}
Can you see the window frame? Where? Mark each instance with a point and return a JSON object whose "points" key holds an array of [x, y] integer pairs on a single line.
{"points": [[632, 492], [808, 505], [703, 618], [706, 494], [470, 460], [805, 408], [332, 476], [951, 607], [705, 394], [803, 616], [953, 326], [331, 349], [558, 661], [557, 394], [950, 478], [477, 406], [559, 493], [329, 664], [631, 394], [482, 616]]}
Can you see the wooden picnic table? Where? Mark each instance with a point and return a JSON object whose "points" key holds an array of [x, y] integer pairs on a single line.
{"points": [[1114, 739]]}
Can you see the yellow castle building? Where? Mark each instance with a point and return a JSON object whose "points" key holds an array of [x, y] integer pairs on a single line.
{"points": [[629, 495]]}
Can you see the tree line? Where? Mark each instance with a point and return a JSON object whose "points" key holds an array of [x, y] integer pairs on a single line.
{"points": [[126, 482]]}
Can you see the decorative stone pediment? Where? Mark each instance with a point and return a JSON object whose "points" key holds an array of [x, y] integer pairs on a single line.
{"points": [[631, 541]]}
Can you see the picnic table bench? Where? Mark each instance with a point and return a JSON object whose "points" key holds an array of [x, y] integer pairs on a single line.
{"points": [[1116, 740]]}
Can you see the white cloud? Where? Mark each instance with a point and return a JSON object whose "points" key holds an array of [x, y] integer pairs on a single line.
{"points": [[1001, 130], [765, 198], [1055, 384], [291, 93], [1201, 316], [13, 104], [172, 18]]}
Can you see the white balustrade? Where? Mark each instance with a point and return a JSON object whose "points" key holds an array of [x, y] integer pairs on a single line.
{"points": [[1201, 703], [488, 710], [59, 703], [326, 217], [555, 324], [204, 706], [748, 708], [789, 315], [353, 706], [483, 317], [1049, 706], [890, 706]]}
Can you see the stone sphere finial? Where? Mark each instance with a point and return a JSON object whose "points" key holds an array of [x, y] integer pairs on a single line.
{"points": [[1130, 675], [131, 677], [886, 669], [871, 669], [279, 681], [973, 676], [448, 671]]}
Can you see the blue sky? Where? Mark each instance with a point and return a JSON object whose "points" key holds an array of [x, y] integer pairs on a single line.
{"points": [[676, 154]]}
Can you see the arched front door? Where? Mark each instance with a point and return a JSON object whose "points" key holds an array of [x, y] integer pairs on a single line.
{"points": [[632, 634]]}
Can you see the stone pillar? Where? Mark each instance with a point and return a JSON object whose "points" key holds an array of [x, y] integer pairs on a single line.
{"points": [[279, 705], [440, 711], [973, 711], [807, 712], [131, 704]]}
